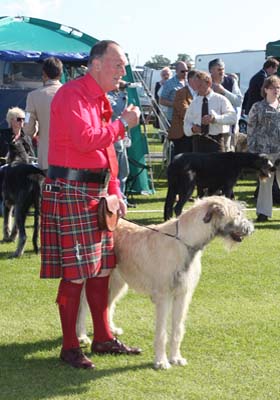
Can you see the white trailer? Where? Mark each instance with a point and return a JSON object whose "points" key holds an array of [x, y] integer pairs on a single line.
{"points": [[243, 63]]}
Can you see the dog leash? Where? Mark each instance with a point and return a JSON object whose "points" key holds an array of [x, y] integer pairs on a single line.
{"points": [[49, 186], [176, 236], [193, 249], [207, 136]]}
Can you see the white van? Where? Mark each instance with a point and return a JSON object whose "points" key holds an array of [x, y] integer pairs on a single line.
{"points": [[243, 63]]}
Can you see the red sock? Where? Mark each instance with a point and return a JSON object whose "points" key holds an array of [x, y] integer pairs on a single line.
{"points": [[68, 300], [97, 297]]}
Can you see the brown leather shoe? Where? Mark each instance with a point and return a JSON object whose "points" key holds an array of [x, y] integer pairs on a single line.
{"points": [[76, 358], [113, 346]]}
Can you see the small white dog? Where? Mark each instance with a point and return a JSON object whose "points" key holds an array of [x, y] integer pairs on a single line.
{"points": [[164, 262]]}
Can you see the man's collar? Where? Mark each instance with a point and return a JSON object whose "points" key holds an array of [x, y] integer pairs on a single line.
{"points": [[93, 87], [210, 94]]}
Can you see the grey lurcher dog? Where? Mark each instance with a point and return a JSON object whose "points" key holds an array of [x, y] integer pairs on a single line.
{"points": [[164, 262]]}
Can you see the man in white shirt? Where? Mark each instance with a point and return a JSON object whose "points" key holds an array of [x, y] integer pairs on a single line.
{"points": [[227, 85], [208, 126]]}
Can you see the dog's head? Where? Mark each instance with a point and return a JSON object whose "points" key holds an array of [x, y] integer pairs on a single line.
{"points": [[228, 218], [17, 153], [265, 167]]}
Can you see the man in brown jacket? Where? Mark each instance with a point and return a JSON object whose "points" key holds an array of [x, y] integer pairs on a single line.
{"points": [[183, 98]]}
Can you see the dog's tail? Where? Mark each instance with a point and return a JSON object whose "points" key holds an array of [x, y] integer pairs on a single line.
{"points": [[37, 177]]}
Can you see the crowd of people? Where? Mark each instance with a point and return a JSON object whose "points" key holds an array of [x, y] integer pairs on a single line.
{"points": [[204, 110], [82, 129]]}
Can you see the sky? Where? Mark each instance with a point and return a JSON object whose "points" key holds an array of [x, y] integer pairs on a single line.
{"points": [[150, 27]]}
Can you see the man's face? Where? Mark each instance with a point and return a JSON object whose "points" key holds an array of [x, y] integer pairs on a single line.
{"points": [[110, 68], [165, 75], [193, 82], [217, 73], [203, 87], [181, 70], [271, 70]]}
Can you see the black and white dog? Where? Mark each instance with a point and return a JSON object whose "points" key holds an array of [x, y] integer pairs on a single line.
{"points": [[21, 185], [211, 172]]}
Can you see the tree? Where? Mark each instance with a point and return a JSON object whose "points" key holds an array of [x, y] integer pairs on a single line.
{"points": [[183, 57], [158, 62]]}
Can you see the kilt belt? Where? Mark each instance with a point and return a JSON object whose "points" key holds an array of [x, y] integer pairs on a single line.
{"points": [[101, 175]]}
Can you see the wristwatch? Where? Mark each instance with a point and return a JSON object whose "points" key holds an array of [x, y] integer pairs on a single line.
{"points": [[123, 121]]}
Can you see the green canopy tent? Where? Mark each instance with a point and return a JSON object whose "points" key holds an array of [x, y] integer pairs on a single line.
{"points": [[36, 37], [273, 49]]}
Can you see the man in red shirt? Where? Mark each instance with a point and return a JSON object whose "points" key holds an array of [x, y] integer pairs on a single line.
{"points": [[82, 168]]}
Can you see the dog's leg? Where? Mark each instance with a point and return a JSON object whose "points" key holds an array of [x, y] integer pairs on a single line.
{"points": [[36, 220], [181, 301], [117, 290], [14, 232], [169, 201], [7, 217], [186, 190], [162, 303], [227, 189], [81, 320], [36, 232], [179, 310], [20, 218]]}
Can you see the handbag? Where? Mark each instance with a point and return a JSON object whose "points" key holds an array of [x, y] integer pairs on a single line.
{"points": [[108, 213]]}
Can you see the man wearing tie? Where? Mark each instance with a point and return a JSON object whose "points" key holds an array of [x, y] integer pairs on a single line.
{"points": [[209, 117]]}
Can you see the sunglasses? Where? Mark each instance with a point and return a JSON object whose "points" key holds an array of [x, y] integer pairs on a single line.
{"points": [[19, 119], [184, 70]]}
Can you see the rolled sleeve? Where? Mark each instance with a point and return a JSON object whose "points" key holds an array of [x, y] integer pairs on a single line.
{"points": [[189, 121]]}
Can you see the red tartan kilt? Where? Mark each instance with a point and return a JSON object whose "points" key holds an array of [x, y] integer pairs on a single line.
{"points": [[72, 246]]}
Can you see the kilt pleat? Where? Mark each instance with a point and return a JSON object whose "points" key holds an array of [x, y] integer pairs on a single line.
{"points": [[72, 246]]}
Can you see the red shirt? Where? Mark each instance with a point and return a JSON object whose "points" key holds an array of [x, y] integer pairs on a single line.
{"points": [[81, 127]]}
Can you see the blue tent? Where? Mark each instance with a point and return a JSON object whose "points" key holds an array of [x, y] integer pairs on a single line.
{"points": [[26, 40]]}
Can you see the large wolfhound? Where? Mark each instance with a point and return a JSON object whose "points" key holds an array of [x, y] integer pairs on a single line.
{"points": [[211, 172], [164, 262], [21, 187]]}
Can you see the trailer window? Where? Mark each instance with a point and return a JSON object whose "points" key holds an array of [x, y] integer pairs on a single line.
{"points": [[22, 74]]}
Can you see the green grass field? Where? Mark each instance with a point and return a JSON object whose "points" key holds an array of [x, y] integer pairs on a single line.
{"points": [[232, 334]]}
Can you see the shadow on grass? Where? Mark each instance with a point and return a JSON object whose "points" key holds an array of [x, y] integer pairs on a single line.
{"points": [[28, 373], [4, 255], [247, 183], [151, 200], [148, 219], [268, 225]]}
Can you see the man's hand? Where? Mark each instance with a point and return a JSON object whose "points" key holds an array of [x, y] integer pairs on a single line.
{"points": [[123, 208], [196, 129], [218, 88], [207, 119], [131, 114]]}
